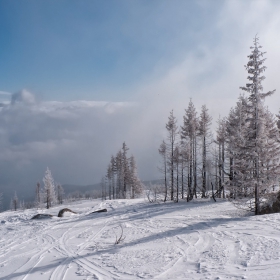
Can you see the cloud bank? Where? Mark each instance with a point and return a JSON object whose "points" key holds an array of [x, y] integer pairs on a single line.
{"points": [[74, 139]]}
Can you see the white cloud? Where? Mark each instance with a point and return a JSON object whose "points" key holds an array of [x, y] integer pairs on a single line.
{"points": [[23, 96]]}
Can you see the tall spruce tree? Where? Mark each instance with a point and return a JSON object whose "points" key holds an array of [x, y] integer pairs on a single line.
{"points": [[163, 152], [204, 133], [189, 132], [259, 169], [126, 180], [134, 181], [113, 171], [126, 171], [221, 140], [172, 130], [235, 138], [49, 189]]}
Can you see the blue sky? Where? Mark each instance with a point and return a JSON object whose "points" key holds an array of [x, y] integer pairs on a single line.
{"points": [[97, 50]]}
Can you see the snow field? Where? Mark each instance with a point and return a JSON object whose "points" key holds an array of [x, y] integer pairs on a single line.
{"points": [[195, 240]]}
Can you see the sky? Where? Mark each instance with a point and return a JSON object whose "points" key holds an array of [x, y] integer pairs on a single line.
{"points": [[78, 78]]}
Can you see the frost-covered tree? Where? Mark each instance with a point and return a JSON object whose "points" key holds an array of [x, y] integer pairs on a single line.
{"points": [[134, 181], [177, 160], [235, 143], [163, 152], [109, 180], [38, 195], [22, 205], [14, 202], [126, 171], [221, 140], [49, 189], [204, 133], [59, 194], [121, 176], [260, 162], [103, 188], [172, 137], [189, 132], [113, 171], [184, 165]]}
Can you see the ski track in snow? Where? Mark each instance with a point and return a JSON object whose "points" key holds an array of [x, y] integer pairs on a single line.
{"points": [[195, 240]]}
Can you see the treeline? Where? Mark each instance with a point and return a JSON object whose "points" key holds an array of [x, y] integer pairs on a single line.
{"points": [[50, 194], [121, 179], [185, 155], [241, 161]]}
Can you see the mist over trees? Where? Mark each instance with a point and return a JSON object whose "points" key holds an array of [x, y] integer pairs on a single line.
{"points": [[241, 161], [121, 179]]}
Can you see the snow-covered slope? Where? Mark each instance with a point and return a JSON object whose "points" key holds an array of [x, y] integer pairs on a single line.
{"points": [[195, 240]]}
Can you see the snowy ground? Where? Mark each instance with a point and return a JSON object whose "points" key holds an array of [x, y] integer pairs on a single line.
{"points": [[196, 240]]}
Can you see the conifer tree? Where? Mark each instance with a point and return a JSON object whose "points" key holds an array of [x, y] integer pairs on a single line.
{"points": [[189, 136], [177, 164], [14, 202], [109, 180], [38, 193], [126, 172], [113, 171], [163, 152], [203, 132], [126, 176], [59, 193], [49, 189], [119, 168], [184, 162], [221, 140], [172, 136], [103, 188], [235, 139], [260, 144], [134, 181]]}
